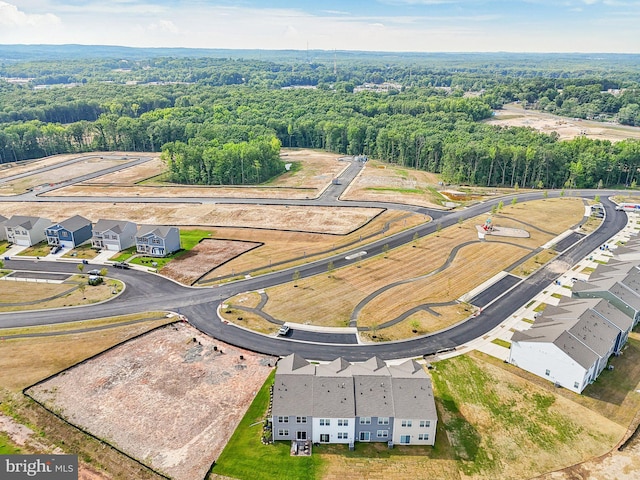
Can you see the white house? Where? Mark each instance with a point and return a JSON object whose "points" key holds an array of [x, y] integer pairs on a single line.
{"points": [[25, 231], [3, 232]]}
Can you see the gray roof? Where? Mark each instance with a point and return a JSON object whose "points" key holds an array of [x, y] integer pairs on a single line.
{"points": [[2, 218], [628, 296], [24, 221], [340, 389], [159, 230], [333, 397], [74, 223], [615, 316], [115, 226], [576, 350], [595, 332]]}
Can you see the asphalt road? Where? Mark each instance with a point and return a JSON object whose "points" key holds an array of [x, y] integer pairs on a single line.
{"points": [[146, 292]]}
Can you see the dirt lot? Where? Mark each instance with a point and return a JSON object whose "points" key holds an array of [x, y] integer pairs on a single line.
{"points": [[61, 174], [515, 116], [389, 183], [332, 220], [317, 170], [204, 257], [171, 398]]}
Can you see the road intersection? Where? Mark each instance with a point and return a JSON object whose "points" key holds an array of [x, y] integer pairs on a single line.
{"points": [[147, 291]]}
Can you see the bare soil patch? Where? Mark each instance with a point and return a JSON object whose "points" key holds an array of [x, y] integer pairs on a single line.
{"points": [[91, 164], [171, 398], [204, 257], [13, 168], [390, 183], [332, 220], [567, 128], [317, 170]]}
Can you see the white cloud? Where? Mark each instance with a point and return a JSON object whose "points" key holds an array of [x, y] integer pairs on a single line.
{"points": [[11, 16], [166, 26]]}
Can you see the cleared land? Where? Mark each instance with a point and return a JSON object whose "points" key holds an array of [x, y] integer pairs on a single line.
{"points": [[91, 164], [330, 301], [513, 115], [332, 220], [16, 295], [205, 256], [11, 169], [315, 173], [382, 182], [190, 393]]}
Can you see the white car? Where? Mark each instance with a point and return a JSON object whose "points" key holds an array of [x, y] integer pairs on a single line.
{"points": [[284, 329]]}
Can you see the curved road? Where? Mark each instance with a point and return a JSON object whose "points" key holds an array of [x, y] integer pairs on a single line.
{"points": [[146, 292]]}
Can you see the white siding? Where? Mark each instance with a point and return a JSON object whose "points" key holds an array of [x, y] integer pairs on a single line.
{"points": [[333, 429], [540, 357], [414, 431]]}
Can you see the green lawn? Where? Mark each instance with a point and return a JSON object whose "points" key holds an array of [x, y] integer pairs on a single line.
{"points": [[188, 240], [41, 249], [4, 246], [502, 343], [7, 447], [246, 457]]}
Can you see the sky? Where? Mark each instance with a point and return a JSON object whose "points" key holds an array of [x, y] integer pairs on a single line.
{"points": [[607, 26]]}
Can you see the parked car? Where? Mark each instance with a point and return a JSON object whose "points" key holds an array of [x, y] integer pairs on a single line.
{"points": [[123, 265], [284, 329], [95, 271], [55, 249]]}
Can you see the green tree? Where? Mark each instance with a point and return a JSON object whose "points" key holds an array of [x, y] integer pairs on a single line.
{"points": [[385, 249], [80, 267], [295, 277], [330, 268], [514, 200]]}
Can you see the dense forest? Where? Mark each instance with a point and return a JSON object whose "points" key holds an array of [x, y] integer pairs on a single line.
{"points": [[222, 120]]}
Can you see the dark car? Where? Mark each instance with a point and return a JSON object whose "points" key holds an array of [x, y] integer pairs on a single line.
{"points": [[55, 249], [123, 265]]}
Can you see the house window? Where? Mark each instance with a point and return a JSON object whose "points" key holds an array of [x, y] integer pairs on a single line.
{"points": [[156, 241], [406, 423], [547, 372], [365, 420], [425, 423], [423, 436], [301, 419], [283, 432], [365, 436], [576, 385], [343, 422], [324, 438], [283, 419], [343, 435], [325, 422], [383, 433], [383, 420], [405, 439]]}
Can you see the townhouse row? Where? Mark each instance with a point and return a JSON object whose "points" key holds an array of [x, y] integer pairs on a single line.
{"points": [[343, 402], [112, 235], [570, 344]]}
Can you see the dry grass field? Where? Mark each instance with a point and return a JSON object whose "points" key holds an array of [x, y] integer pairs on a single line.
{"points": [[567, 128], [331, 220], [190, 393], [91, 164], [316, 171], [380, 182], [284, 246], [330, 301], [17, 295]]}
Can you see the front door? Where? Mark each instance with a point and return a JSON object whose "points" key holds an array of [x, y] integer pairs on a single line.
{"points": [[324, 438], [302, 435]]}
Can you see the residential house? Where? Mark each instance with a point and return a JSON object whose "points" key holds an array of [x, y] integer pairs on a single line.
{"points": [[69, 233], [3, 232], [343, 402], [618, 282], [25, 231], [113, 235], [157, 241]]}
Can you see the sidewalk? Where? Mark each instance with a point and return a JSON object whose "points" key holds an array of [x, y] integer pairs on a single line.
{"points": [[523, 318]]}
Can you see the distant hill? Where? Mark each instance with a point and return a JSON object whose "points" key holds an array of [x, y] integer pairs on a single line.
{"points": [[602, 61]]}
